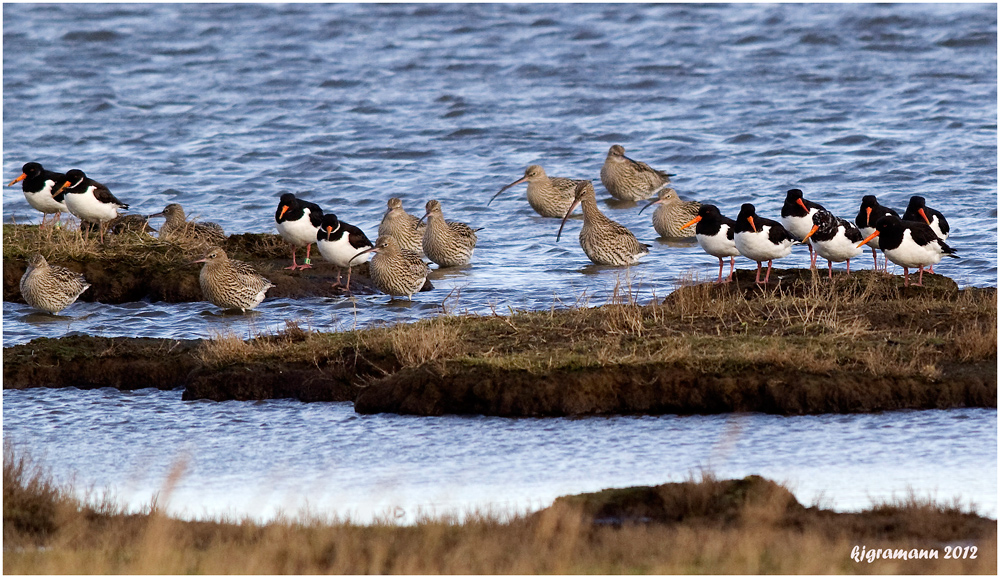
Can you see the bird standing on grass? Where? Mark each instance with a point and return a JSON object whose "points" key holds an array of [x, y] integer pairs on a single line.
{"points": [[796, 216], [395, 271], [447, 243], [50, 288], [670, 216], [548, 196], [834, 239], [868, 215], [298, 223], [604, 241], [910, 244], [339, 243], [760, 239], [177, 227], [89, 200], [715, 235], [229, 283], [38, 184], [629, 180]]}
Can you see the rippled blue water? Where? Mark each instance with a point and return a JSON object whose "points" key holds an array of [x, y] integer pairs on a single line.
{"points": [[258, 458], [224, 107]]}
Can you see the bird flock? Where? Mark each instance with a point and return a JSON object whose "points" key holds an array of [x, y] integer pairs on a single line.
{"points": [[396, 258]]}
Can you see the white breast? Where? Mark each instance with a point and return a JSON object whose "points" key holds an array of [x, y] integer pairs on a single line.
{"points": [[718, 245], [86, 207], [839, 248], [299, 233], [341, 251], [757, 247], [910, 254]]}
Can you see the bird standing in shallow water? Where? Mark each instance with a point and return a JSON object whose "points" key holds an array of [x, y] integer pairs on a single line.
{"points": [[760, 239], [177, 227], [909, 244], [298, 223], [868, 215], [630, 180], [548, 196], [447, 243], [229, 283], [50, 288], [604, 241], [796, 216], [406, 228], [89, 200], [339, 243], [395, 271], [715, 235], [918, 211], [38, 185], [834, 239], [670, 216]]}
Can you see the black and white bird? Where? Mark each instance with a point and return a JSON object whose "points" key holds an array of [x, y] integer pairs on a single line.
{"points": [[917, 210], [760, 239], [796, 216], [38, 185], [298, 223], [834, 239], [868, 215], [89, 200], [715, 235], [340, 243], [910, 244]]}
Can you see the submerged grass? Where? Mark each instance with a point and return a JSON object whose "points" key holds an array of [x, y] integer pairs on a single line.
{"points": [[700, 526]]}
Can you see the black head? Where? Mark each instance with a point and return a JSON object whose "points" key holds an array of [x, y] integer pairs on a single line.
{"points": [[888, 223], [869, 201], [328, 226], [709, 211], [793, 195], [746, 210], [916, 203], [32, 169], [75, 176], [288, 199]]}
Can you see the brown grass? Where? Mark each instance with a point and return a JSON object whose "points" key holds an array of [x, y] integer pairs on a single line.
{"points": [[700, 526]]}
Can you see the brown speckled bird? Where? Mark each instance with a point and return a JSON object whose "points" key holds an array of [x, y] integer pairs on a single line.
{"points": [[672, 214], [603, 240], [404, 227], [229, 283], [630, 180], [548, 196], [177, 227], [447, 243], [50, 288], [393, 270]]}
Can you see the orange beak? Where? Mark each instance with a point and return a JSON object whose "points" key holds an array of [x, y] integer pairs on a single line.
{"points": [[811, 231], [868, 217], [802, 204], [18, 179], [284, 209], [869, 238], [752, 226], [924, 215], [66, 184], [691, 222]]}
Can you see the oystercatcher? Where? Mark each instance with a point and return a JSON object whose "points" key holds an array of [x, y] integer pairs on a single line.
{"points": [[918, 211], [760, 239], [868, 215], [340, 243], [796, 216], [298, 223], [38, 186], [834, 239], [909, 244], [89, 200], [715, 236]]}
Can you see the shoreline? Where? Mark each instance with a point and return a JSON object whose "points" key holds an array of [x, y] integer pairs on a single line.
{"points": [[861, 344]]}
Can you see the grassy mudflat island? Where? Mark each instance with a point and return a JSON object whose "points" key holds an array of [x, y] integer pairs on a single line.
{"points": [[751, 525], [801, 344]]}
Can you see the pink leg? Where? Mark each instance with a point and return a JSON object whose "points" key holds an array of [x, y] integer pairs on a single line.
{"points": [[720, 270], [920, 279], [337, 284], [848, 266], [732, 266], [348, 278], [875, 257], [294, 265], [812, 257], [758, 272], [906, 277], [768, 276], [931, 270], [307, 264], [829, 267]]}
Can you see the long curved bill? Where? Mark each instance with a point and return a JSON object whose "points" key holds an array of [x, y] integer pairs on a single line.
{"points": [[517, 182], [648, 205], [368, 250], [691, 222], [568, 213], [18, 179], [868, 238], [811, 231]]}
